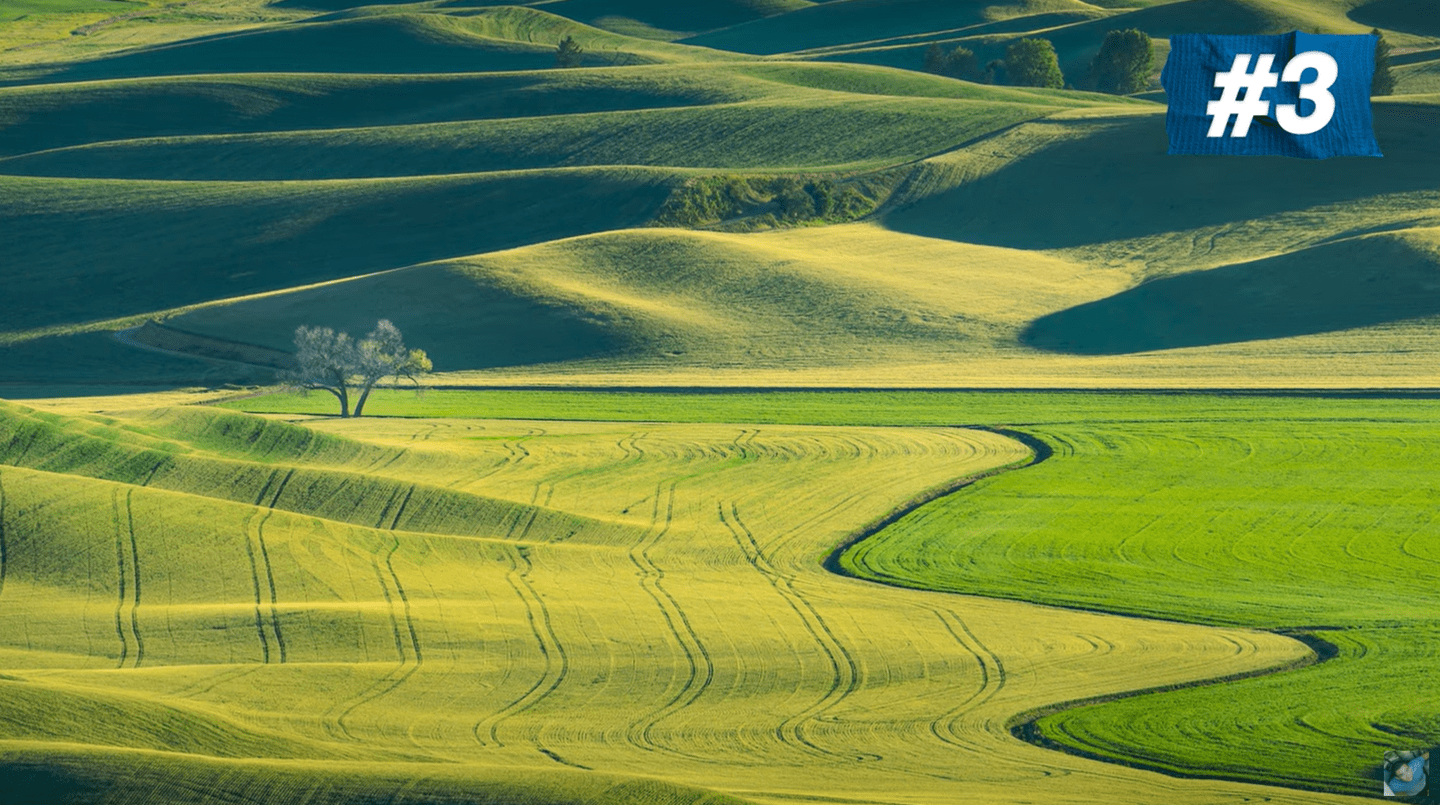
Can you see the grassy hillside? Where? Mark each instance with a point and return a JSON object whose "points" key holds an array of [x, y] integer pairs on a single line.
{"points": [[1077, 35], [387, 40], [335, 172], [853, 21], [1317, 521], [663, 20], [849, 134], [707, 648], [248, 237]]}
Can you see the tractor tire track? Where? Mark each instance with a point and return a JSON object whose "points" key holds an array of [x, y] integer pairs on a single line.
{"points": [[123, 592], [389, 682], [255, 582], [701, 668], [992, 679], [845, 672], [135, 571], [557, 662], [270, 582]]}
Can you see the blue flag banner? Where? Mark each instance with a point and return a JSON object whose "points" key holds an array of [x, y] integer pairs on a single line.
{"points": [[1295, 95]]}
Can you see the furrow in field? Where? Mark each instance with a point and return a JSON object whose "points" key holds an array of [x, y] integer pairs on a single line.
{"points": [[845, 677], [255, 582], [992, 679], [390, 681], [557, 662], [400, 591], [700, 669], [120, 582], [270, 582]]}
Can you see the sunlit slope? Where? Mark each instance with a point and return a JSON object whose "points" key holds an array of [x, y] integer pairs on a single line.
{"points": [[75, 774], [55, 116], [836, 296], [708, 649], [835, 134], [384, 495], [44, 117], [1321, 521]]}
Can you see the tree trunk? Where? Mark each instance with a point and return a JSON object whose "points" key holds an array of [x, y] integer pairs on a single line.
{"points": [[364, 395], [342, 397]]}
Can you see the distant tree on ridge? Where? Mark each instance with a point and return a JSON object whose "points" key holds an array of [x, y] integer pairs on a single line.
{"points": [[568, 53], [958, 63], [1124, 63], [1033, 63]]}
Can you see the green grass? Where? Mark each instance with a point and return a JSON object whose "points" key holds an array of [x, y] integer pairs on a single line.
{"points": [[670, 20], [385, 40], [828, 24], [1321, 520], [700, 644], [13, 9], [91, 775], [854, 407], [1233, 511], [846, 135]]}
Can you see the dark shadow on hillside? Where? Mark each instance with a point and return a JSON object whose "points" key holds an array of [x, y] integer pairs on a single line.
{"points": [[380, 44], [461, 322], [1357, 283], [1114, 181], [1076, 42], [1410, 16], [98, 358], [152, 252], [209, 105]]}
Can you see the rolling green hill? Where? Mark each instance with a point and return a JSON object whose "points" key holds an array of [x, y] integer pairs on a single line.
{"points": [[163, 641], [199, 605], [388, 40], [856, 21], [1260, 517]]}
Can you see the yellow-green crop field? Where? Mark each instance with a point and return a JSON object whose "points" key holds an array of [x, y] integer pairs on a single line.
{"points": [[455, 609], [696, 508]]}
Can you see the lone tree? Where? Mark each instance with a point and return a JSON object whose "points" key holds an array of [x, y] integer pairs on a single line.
{"points": [[958, 63], [1124, 63], [568, 52], [1032, 63], [383, 354], [329, 361], [1384, 81]]}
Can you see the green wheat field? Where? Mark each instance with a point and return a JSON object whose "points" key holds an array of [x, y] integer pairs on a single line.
{"points": [[806, 427]]}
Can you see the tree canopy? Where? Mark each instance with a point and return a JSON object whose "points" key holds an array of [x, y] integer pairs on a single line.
{"points": [[1033, 63], [333, 362], [1124, 63], [568, 53], [958, 63]]}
